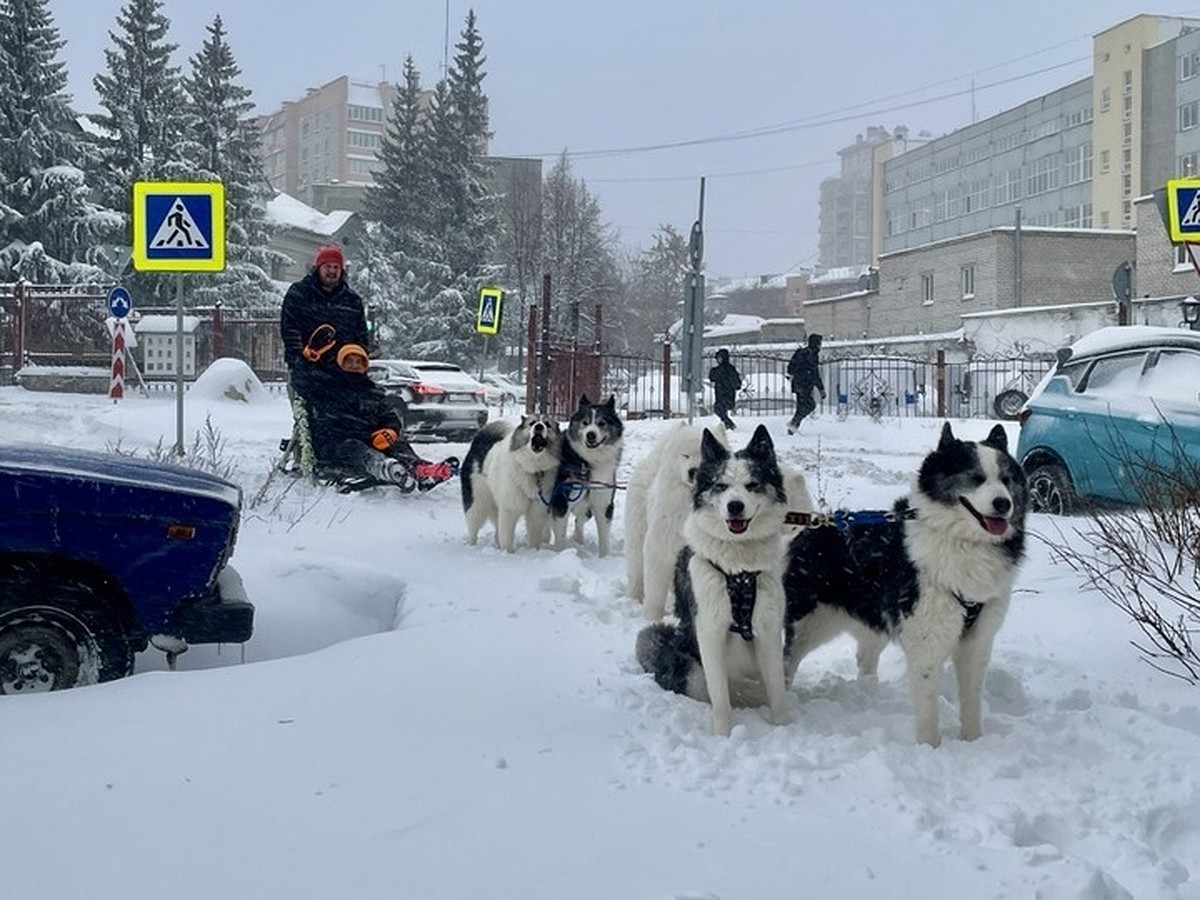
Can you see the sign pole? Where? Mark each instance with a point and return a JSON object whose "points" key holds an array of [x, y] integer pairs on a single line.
{"points": [[179, 364]]}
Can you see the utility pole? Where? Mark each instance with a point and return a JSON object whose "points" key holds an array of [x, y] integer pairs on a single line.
{"points": [[693, 320]]}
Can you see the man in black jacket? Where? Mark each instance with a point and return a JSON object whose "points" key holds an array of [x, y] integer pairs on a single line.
{"points": [[355, 432], [804, 367], [725, 380]]}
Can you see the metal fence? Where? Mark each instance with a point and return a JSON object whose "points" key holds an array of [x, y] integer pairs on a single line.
{"points": [[874, 385]]}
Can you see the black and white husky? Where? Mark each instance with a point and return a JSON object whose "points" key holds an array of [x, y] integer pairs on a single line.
{"points": [[586, 483], [728, 643], [508, 474], [934, 573]]}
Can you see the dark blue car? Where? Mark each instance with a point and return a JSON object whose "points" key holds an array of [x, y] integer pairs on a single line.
{"points": [[1117, 421], [102, 555]]}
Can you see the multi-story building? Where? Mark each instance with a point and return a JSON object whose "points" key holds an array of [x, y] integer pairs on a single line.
{"points": [[323, 149], [1076, 157], [846, 203]]}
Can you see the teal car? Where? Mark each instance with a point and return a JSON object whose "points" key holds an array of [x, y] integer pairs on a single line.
{"points": [[1115, 422]]}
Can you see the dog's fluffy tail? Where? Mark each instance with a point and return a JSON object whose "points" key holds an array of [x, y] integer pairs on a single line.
{"points": [[661, 652]]}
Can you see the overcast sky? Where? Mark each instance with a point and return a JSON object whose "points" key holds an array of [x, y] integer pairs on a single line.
{"points": [[613, 81]]}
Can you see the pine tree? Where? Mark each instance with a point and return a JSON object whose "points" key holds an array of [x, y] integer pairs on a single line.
{"points": [[228, 141], [466, 208], [145, 120], [49, 227]]}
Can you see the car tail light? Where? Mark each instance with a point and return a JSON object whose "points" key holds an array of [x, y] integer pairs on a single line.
{"points": [[428, 391]]}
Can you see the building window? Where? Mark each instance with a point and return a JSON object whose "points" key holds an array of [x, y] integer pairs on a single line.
{"points": [[363, 139], [1188, 115], [1188, 66], [1078, 216], [968, 282], [927, 288], [1103, 162], [1079, 164], [1105, 99], [1008, 187], [1043, 176]]}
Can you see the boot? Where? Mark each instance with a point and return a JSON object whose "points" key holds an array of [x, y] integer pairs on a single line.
{"points": [[430, 474]]}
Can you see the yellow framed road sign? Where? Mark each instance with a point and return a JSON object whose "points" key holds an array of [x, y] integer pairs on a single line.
{"points": [[487, 317], [179, 226], [1183, 210]]}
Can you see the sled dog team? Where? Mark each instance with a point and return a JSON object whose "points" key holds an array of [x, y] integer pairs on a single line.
{"points": [[729, 545]]}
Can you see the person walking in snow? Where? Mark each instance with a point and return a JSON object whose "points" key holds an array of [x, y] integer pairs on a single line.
{"points": [[725, 381], [804, 367]]}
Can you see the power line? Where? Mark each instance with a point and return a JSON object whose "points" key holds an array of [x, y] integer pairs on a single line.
{"points": [[810, 122]]}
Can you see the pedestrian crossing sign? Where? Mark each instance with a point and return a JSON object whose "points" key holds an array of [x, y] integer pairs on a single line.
{"points": [[1183, 210], [487, 318], [179, 226]]}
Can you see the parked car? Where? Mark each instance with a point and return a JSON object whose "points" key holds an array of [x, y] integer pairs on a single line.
{"points": [[1116, 419], [503, 391], [102, 555], [432, 398]]}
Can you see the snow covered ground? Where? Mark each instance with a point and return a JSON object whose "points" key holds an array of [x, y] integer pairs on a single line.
{"points": [[416, 718]]}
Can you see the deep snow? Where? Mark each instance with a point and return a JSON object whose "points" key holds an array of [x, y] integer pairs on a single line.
{"points": [[417, 718]]}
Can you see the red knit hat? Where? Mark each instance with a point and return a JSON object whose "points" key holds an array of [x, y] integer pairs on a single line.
{"points": [[330, 253]]}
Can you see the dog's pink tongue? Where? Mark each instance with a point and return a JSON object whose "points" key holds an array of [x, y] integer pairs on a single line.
{"points": [[737, 526], [995, 524]]}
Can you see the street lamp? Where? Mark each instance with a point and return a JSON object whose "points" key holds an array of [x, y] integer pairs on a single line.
{"points": [[1191, 312]]}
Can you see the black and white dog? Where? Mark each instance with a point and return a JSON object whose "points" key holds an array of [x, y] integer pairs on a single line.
{"points": [[507, 475], [586, 482], [935, 574], [727, 646]]}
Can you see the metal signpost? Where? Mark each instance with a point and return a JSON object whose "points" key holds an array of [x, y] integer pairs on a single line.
{"points": [[179, 226], [692, 351]]}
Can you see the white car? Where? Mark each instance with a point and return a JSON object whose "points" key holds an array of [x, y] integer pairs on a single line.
{"points": [[502, 391], [436, 398]]}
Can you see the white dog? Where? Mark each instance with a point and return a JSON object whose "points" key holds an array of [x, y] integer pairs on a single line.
{"points": [[508, 474], [728, 586], [658, 500]]}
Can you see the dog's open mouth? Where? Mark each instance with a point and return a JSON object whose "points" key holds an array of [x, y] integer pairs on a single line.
{"points": [[538, 442], [996, 525], [737, 526], [592, 441]]}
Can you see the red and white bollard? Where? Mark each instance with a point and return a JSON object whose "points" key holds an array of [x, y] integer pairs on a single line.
{"points": [[116, 385]]}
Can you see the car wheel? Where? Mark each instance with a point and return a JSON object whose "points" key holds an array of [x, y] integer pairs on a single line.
{"points": [[1007, 404], [1050, 490], [60, 640]]}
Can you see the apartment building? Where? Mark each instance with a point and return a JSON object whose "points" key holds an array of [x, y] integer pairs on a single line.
{"points": [[323, 148]]}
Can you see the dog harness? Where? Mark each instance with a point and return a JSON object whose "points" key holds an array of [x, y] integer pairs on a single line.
{"points": [[742, 588], [971, 610], [841, 519]]}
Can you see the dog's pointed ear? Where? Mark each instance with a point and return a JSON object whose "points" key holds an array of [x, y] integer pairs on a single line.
{"points": [[611, 402], [998, 438], [712, 450], [760, 442], [947, 437], [584, 403]]}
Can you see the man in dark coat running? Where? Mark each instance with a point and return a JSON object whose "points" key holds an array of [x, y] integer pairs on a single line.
{"points": [[804, 367], [355, 432]]}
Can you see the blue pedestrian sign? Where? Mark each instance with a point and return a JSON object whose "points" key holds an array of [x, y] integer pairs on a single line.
{"points": [[179, 226], [120, 303], [1183, 210]]}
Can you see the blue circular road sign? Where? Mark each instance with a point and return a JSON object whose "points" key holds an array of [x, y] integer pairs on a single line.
{"points": [[120, 303]]}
